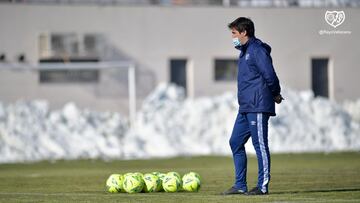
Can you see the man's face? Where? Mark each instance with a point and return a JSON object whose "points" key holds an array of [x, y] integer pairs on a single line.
{"points": [[240, 35]]}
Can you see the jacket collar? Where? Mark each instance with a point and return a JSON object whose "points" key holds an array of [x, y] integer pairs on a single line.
{"points": [[243, 48]]}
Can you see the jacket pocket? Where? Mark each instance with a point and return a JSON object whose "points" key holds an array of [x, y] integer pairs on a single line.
{"points": [[254, 100]]}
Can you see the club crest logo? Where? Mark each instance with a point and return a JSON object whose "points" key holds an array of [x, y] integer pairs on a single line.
{"points": [[335, 18]]}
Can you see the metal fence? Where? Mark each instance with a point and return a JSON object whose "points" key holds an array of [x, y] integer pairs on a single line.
{"points": [[225, 3]]}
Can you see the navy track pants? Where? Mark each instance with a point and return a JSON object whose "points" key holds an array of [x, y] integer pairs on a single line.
{"points": [[254, 125]]}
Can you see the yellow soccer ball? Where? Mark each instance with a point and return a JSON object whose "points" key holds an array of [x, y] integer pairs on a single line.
{"points": [[171, 183], [114, 183], [152, 183], [176, 174], [191, 183], [133, 183]]}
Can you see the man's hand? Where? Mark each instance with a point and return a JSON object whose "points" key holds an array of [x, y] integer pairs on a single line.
{"points": [[278, 99]]}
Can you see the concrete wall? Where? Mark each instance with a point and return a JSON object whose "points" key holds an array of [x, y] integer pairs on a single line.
{"points": [[152, 35], [108, 94]]}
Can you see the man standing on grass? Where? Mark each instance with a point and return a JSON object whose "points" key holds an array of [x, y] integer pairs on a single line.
{"points": [[258, 90]]}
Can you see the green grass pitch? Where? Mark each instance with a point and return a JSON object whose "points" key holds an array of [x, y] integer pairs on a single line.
{"points": [[333, 177]]}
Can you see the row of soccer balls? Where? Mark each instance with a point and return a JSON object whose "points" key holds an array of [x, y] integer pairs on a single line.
{"points": [[153, 182]]}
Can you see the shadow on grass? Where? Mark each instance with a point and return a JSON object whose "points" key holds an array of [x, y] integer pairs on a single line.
{"points": [[319, 190]]}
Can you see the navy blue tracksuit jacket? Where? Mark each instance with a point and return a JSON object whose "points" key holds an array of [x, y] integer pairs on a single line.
{"points": [[257, 80]]}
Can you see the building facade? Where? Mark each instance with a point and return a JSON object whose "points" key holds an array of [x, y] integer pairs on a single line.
{"points": [[190, 46]]}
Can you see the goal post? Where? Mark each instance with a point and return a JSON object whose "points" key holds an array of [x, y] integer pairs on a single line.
{"points": [[98, 67], [130, 66]]}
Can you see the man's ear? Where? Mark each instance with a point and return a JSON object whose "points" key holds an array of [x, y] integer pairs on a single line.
{"points": [[245, 32]]}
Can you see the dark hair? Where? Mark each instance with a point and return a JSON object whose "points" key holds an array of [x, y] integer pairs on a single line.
{"points": [[241, 24]]}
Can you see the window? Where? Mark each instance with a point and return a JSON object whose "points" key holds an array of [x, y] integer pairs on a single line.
{"points": [[93, 44], [69, 76], [320, 76], [225, 69], [178, 72], [71, 47], [64, 44]]}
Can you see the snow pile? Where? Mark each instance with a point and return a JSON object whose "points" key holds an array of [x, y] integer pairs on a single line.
{"points": [[305, 123], [30, 132], [170, 125], [353, 108]]}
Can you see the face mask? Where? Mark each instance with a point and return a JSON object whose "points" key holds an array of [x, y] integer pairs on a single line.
{"points": [[236, 42]]}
